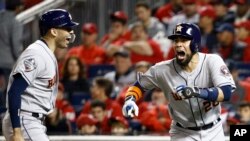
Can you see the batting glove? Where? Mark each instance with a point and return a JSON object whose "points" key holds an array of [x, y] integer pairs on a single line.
{"points": [[130, 109], [186, 92]]}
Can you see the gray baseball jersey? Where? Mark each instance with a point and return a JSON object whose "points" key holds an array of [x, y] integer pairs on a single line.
{"points": [[38, 66], [211, 71]]}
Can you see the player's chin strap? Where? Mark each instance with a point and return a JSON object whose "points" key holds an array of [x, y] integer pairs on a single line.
{"points": [[72, 37]]}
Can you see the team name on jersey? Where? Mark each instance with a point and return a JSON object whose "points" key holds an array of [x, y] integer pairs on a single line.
{"points": [[51, 82]]}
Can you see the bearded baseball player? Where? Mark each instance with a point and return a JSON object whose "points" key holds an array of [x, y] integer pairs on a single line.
{"points": [[33, 82], [194, 84]]}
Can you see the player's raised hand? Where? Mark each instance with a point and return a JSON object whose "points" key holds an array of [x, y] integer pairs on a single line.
{"points": [[130, 109]]}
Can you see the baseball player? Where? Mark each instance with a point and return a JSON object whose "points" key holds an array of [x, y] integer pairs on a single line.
{"points": [[33, 82], [194, 84]]}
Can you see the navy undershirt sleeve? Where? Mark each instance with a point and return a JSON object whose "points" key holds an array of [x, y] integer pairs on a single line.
{"points": [[227, 91], [14, 97]]}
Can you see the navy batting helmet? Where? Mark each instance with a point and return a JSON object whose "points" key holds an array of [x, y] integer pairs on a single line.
{"points": [[188, 31], [55, 18]]}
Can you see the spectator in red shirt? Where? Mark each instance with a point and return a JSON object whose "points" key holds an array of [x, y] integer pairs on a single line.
{"points": [[141, 47], [99, 112], [118, 33], [89, 52], [167, 11], [154, 115], [101, 90]]}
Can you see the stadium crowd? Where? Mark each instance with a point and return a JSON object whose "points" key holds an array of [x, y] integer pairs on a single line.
{"points": [[95, 74]]}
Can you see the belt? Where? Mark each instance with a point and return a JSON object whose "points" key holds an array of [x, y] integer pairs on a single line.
{"points": [[33, 114], [204, 127]]}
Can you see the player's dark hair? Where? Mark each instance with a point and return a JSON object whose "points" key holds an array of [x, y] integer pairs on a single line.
{"points": [[98, 103], [142, 4], [66, 73], [123, 22], [104, 83]]}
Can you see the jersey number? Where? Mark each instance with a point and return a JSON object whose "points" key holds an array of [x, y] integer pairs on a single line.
{"points": [[208, 105]]}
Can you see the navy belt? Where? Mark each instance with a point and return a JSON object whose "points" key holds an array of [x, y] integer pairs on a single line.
{"points": [[204, 127], [33, 114]]}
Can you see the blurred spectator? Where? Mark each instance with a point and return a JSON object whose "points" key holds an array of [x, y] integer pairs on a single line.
{"points": [[86, 125], [2, 98], [124, 73], [206, 21], [244, 113], [15, 5], [101, 90], [190, 15], [62, 119], [142, 66], [118, 33], [98, 110], [242, 92], [242, 10], [154, 115], [119, 126], [243, 34], [153, 25], [60, 57], [141, 47], [89, 52], [223, 14], [74, 79], [229, 48], [243, 31], [30, 3], [10, 39], [167, 11]]}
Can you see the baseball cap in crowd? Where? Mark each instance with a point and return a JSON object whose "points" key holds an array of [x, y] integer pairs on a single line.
{"points": [[189, 1], [89, 28], [122, 53], [118, 119], [225, 27], [244, 24], [207, 11], [119, 16], [85, 119]]}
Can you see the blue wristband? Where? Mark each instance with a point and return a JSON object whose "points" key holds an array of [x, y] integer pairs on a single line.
{"points": [[210, 94]]}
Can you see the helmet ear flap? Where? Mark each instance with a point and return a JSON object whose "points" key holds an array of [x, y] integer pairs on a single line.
{"points": [[194, 46]]}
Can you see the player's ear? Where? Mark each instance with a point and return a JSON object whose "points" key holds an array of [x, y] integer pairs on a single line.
{"points": [[53, 31]]}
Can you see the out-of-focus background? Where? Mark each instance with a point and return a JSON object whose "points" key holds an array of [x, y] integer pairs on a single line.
{"points": [[96, 70]]}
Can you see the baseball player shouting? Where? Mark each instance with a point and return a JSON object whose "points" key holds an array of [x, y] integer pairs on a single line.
{"points": [[194, 84], [33, 83]]}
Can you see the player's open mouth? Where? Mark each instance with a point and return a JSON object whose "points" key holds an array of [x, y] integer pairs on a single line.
{"points": [[180, 55]]}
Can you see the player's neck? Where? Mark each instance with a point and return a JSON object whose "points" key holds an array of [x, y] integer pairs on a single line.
{"points": [[193, 63], [50, 43]]}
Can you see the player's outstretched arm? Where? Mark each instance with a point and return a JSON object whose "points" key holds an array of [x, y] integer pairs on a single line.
{"points": [[134, 93], [222, 93]]}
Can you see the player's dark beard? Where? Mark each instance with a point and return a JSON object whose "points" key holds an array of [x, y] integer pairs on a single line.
{"points": [[186, 61]]}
